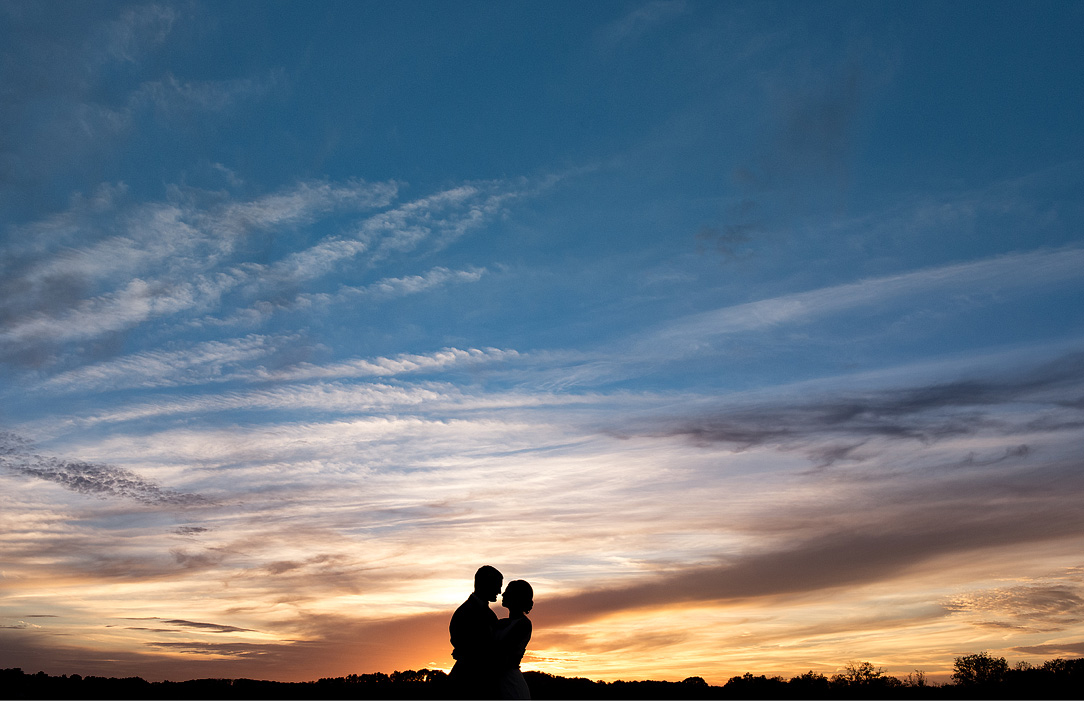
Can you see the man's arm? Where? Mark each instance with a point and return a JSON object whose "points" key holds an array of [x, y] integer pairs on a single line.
{"points": [[471, 631]]}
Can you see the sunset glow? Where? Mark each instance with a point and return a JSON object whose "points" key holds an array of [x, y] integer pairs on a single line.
{"points": [[750, 334]]}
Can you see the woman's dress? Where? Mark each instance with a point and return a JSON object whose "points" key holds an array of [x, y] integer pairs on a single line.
{"points": [[512, 637]]}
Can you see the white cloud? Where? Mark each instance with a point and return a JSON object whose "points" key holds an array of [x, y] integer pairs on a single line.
{"points": [[173, 97], [137, 302], [400, 364], [298, 204], [417, 283], [340, 398], [1022, 271], [395, 286], [204, 362], [178, 256], [439, 219], [164, 262], [639, 21], [131, 35], [444, 216]]}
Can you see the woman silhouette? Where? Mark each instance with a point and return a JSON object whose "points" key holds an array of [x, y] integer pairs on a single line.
{"points": [[512, 635]]}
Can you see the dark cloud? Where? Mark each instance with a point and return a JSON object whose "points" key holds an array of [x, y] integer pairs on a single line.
{"points": [[831, 454], [190, 530], [803, 159], [731, 239], [1057, 649], [13, 445], [923, 414], [87, 478], [884, 534], [196, 561], [103, 480], [22, 296], [1056, 604], [816, 133], [209, 627], [809, 141], [325, 565], [282, 566]]}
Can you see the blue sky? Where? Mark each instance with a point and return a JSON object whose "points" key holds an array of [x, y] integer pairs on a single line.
{"points": [[751, 333]]}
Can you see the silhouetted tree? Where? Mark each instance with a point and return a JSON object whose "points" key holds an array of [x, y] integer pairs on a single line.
{"points": [[979, 676], [979, 669], [915, 679], [858, 673], [809, 685], [756, 687]]}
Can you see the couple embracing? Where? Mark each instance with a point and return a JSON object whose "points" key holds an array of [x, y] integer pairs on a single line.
{"points": [[487, 650]]}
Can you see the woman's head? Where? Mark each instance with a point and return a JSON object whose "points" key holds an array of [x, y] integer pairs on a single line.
{"points": [[518, 596]]}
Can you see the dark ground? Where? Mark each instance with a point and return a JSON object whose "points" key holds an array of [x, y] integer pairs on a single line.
{"points": [[1056, 679]]}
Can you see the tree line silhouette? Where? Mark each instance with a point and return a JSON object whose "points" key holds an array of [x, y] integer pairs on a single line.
{"points": [[979, 675]]}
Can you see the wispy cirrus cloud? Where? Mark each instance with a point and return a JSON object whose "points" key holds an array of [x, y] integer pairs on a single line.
{"points": [[412, 284], [131, 35], [171, 258], [1018, 272], [298, 204], [401, 364], [174, 98], [56, 115], [383, 289], [633, 25], [210, 361], [1048, 605], [883, 303], [245, 360], [187, 234], [175, 258], [337, 398], [439, 218]]}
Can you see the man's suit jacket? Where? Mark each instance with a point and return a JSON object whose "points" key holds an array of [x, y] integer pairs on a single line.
{"points": [[471, 631]]}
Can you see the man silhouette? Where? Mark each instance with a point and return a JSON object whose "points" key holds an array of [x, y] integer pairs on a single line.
{"points": [[472, 630]]}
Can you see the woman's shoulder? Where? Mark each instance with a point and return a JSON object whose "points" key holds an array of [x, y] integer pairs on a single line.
{"points": [[510, 623]]}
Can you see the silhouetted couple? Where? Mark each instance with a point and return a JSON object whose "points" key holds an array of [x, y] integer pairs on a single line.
{"points": [[487, 651]]}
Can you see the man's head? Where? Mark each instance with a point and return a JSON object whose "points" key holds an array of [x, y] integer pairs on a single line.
{"points": [[488, 581]]}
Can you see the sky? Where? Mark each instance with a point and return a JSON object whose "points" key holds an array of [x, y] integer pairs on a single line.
{"points": [[750, 334]]}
